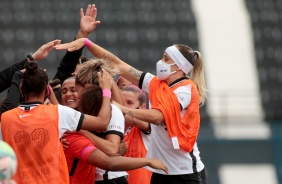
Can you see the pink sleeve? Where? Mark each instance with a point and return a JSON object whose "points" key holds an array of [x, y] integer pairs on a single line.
{"points": [[80, 146], [86, 151]]}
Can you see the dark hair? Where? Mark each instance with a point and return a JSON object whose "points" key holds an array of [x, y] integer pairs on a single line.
{"points": [[90, 100], [57, 88], [34, 81]]}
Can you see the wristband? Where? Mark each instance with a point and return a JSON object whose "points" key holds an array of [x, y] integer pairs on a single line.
{"points": [[29, 56], [107, 93], [87, 42]]}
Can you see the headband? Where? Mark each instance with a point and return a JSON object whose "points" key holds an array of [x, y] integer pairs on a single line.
{"points": [[179, 59]]}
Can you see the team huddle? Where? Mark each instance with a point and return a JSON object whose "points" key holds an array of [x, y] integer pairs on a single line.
{"points": [[101, 120]]}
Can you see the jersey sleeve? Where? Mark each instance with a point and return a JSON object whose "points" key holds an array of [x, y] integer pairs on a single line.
{"points": [[80, 146], [183, 94], [145, 80], [69, 119], [116, 125]]}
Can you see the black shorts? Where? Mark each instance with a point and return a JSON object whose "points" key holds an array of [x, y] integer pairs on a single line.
{"points": [[194, 178], [120, 180]]}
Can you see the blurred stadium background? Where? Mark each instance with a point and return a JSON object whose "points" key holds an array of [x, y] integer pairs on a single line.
{"points": [[241, 134]]}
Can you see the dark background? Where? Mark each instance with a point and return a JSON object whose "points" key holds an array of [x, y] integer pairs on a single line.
{"points": [[138, 32]]}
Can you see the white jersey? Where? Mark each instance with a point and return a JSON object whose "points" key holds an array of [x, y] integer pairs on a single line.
{"points": [[178, 161], [69, 119], [116, 126]]}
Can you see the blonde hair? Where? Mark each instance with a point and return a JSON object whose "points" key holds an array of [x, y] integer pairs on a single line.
{"points": [[197, 73], [88, 72]]}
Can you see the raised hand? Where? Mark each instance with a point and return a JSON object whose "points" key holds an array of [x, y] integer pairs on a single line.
{"points": [[157, 164], [72, 46], [105, 79], [44, 50], [122, 149], [88, 21], [64, 141]]}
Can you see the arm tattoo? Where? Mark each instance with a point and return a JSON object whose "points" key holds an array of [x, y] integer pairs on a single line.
{"points": [[109, 57], [135, 73], [129, 113]]}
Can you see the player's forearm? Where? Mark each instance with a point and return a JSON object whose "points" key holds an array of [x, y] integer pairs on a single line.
{"points": [[131, 121], [81, 34], [105, 146], [127, 71]]}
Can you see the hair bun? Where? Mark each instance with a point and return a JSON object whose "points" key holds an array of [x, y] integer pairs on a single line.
{"points": [[31, 67]]}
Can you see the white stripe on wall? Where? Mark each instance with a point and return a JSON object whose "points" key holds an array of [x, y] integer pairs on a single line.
{"points": [[226, 43], [247, 173]]}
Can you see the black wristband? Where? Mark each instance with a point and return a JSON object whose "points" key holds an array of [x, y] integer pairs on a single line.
{"points": [[29, 56]]}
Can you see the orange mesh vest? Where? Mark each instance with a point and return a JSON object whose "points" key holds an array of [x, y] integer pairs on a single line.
{"points": [[34, 136], [137, 149], [186, 129]]}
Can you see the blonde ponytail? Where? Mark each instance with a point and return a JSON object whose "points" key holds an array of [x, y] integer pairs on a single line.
{"points": [[197, 73], [198, 76]]}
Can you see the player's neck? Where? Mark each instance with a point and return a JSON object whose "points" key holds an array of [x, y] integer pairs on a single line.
{"points": [[34, 99]]}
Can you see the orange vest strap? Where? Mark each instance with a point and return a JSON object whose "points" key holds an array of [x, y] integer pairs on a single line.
{"points": [[135, 144], [163, 98]]}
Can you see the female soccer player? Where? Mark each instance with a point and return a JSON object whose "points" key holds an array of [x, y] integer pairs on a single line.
{"points": [[175, 98]]}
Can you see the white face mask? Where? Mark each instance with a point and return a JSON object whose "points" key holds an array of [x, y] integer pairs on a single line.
{"points": [[163, 70]]}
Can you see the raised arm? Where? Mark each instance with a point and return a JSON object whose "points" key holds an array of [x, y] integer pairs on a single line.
{"points": [[13, 94], [116, 94], [44, 50], [6, 75], [100, 122], [127, 71], [88, 24], [51, 96]]}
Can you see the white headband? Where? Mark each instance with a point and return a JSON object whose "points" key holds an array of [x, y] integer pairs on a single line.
{"points": [[179, 59]]}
